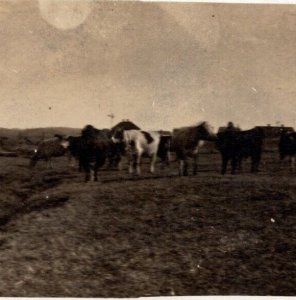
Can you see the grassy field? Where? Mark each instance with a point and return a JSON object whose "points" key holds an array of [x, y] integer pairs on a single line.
{"points": [[129, 236]]}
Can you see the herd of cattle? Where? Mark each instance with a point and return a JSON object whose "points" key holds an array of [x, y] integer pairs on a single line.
{"points": [[94, 147]]}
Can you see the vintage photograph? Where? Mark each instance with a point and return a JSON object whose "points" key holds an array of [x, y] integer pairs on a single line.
{"points": [[147, 149]]}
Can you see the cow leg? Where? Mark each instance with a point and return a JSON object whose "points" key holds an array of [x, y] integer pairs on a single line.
{"points": [[80, 167], [195, 160], [138, 162], [119, 165], [86, 167], [292, 163], [71, 159], [224, 164], [72, 162], [96, 168], [110, 161], [255, 163], [233, 165], [153, 161], [49, 163], [183, 164], [100, 161], [185, 173], [183, 167], [131, 160], [113, 159], [239, 164], [130, 167], [87, 175], [168, 158]]}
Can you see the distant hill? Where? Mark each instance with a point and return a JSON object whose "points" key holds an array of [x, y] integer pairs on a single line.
{"points": [[25, 139], [38, 132]]}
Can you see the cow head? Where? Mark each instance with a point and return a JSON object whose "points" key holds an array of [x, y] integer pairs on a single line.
{"points": [[117, 136], [65, 143], [89, 132], [34, 158], [63, 140], [206, 132], [59, 136]]}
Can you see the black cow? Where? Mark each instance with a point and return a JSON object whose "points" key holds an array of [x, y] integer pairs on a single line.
{"points": [[287, 147], [113, 155], [164, 148], [74, 146], [91, 149], [236, 145]]}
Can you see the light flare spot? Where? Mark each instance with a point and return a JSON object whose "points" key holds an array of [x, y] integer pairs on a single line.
{"points": [[65, 14]]}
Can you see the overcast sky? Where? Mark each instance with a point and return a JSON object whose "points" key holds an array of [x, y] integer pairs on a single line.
{"points": [[159, 65]]}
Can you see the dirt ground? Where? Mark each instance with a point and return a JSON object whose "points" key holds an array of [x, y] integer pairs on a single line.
{"points": [[153, 235]]}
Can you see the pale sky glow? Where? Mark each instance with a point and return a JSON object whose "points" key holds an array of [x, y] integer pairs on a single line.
{"points": [[161, 65]]}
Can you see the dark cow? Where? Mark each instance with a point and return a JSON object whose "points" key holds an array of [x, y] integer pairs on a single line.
{"points": [[287, 147], [74, 146], [236, 145], [91, 149], [164, 148], [186, 142], [47, 149], [115, 151]]}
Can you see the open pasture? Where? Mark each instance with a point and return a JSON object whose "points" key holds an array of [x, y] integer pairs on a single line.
{"points": [[153, 235]]}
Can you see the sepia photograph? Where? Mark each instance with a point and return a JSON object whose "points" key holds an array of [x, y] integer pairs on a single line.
{"points": [[147, 149]]}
